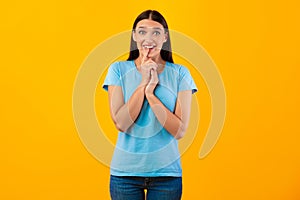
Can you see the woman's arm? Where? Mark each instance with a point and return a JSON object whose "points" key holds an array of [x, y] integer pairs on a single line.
{"points": [[124, 115], [175, 123]]}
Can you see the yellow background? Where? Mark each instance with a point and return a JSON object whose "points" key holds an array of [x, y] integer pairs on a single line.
{"points": [[255, 45]]}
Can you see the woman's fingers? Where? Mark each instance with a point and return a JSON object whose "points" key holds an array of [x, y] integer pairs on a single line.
{"points": [[152, 82], [148, 69], [150, 63], [153, 75], [145, 55]]}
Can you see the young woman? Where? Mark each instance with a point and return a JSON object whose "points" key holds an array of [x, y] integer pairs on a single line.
{"points": [[150, 100]]}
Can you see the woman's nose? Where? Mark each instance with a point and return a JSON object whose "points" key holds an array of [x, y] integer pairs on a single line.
{"points": [[148, 36]]}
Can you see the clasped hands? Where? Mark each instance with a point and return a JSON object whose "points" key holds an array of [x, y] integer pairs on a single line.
{"points": [[149, 73]]}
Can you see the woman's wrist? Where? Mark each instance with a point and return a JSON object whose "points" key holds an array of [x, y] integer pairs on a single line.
{"points": [[142, 87], [149, 94]]}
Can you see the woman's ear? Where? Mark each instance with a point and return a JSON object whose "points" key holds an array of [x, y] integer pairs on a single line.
{"points": [[166, 37], [133, 36]]}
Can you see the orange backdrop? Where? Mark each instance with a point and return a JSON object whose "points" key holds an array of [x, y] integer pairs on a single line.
{"points": [[255, 45]]}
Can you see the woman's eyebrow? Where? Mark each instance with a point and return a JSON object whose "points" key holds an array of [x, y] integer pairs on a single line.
{"points": [[156, 28]]}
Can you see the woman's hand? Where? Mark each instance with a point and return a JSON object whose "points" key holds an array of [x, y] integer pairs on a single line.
{"points": [[147, 65], [152, 83]]}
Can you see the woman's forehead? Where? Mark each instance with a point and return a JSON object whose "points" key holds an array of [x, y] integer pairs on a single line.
{"points": [[148, 23]]}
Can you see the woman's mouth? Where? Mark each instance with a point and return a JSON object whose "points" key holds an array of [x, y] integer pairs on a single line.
{"points": [[149, 46]]}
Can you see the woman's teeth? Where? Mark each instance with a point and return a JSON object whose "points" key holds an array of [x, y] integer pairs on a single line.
{"points": [[149, 46]]}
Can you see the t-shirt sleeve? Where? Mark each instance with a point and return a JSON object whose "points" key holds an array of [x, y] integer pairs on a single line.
{"points": [[113, 76], [186, 81]]}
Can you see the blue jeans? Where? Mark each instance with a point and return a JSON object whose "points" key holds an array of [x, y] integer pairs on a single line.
{"points": [[133, 188]]}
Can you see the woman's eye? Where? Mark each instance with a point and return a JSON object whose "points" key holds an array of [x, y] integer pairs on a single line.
{"points": [[156, 33], [142, 32]]}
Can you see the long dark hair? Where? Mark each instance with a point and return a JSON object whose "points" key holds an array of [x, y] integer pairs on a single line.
{"points": [[166, 51]]}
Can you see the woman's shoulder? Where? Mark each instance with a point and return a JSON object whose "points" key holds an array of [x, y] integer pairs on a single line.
{"points": [[121, 66], [177, 67], [121, 63]]}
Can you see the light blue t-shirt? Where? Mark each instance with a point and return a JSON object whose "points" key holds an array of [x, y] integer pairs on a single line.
{"points": [[148, 149]]}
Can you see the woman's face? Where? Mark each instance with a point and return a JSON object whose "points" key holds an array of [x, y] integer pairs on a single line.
{"points": [[149, 36]]}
